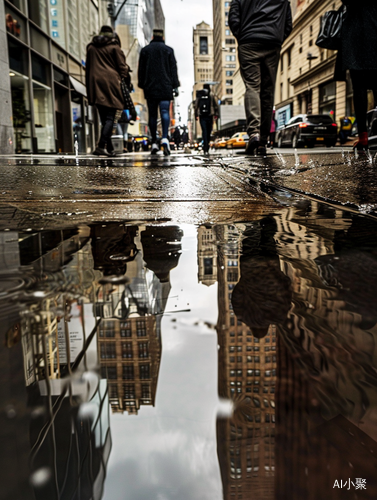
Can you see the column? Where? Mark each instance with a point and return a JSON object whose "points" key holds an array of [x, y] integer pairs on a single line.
{"points": [[6, 128]]}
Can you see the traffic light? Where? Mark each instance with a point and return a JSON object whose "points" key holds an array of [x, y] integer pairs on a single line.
{"points": [[111, 9]]}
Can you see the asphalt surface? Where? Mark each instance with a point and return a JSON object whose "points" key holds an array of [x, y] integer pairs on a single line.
{"points": [[41, 191]]}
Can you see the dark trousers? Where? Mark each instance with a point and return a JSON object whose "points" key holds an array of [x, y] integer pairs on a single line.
{"points": [[361, 82], [206, 122], [153, 105], [107, 117], [258, 64]]}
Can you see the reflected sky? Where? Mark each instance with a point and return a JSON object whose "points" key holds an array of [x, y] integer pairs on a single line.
{"points": [[169, 451]]}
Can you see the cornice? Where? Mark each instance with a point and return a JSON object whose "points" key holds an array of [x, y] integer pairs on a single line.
{"points": [[313, 71]]}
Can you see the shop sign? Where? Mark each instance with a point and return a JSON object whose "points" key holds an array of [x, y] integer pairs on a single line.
{"points": [[283, 115]]}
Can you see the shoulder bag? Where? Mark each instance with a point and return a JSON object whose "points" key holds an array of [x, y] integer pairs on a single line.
{"points": [[330, 33]]}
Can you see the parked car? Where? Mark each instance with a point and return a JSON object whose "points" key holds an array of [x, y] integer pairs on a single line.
{"points": [[220, 142], [237, 140], [308, 130]]}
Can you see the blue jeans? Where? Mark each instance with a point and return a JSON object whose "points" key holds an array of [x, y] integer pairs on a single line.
{"points": [[153, 105]]}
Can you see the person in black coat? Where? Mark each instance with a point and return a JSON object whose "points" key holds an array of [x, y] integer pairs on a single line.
{"points": [[260, 26], [359, 55], [158, 77]]}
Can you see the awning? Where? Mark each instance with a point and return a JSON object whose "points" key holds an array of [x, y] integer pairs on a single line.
{"points": [[78, 86]]}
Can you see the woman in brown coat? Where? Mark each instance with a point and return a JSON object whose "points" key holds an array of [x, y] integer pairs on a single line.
{"points": [[105, 67]]}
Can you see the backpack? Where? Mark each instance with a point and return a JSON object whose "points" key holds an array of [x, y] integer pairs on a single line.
{"points": [[205, 105]]}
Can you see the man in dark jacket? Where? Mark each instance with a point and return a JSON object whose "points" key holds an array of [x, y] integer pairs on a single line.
{"points": [[206, 110], [105, 67], [158, 77], [260, 27]]}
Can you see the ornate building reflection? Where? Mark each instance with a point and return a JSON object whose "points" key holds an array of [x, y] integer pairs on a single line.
{"points": [[247, 376], [129, 340]]}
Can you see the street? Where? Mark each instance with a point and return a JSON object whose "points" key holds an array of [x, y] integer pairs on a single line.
{"points": [[152, 305]]}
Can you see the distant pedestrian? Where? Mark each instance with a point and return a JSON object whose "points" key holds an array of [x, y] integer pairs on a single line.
{"points": [[358, 54], [206, 110], [274, 126], [158, 77], [177, 137], [260, 26], [105, 67]]}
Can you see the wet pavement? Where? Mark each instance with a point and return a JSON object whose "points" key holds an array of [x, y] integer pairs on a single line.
{"points": [[187, 329]]}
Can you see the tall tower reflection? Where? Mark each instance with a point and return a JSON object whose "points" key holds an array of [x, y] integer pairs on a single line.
{"points": [[247, 376], [129, 339]]}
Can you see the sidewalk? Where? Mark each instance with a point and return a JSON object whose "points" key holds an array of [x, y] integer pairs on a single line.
{"points": [[337, 177]]}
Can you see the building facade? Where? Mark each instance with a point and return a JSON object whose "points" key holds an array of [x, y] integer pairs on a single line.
{"points": [[305, 75], [225, 52], [203, 65]]}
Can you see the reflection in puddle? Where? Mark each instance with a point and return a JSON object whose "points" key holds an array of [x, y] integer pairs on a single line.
{"points": [[123, 346]]}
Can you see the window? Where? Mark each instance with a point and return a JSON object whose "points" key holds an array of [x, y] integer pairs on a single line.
{"points": [[127, 350], [229, 91], [229, 73], [144, 372], [208, 266], [107, 330], [129, 391], [143, 350], [227, 32], [230, 41], [125, 329], [107, 350], [128, 372], [145, 391], [228, 82], [282, 63], [203, 45], [113, 391], [109, 372], [141, 329]]}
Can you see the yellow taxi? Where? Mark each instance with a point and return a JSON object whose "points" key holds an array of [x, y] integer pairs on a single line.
{"points": [[220, 142], [238, 140]]}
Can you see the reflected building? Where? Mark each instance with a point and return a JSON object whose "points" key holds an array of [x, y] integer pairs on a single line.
{"points": [[207, 255], [129, 340], [247, 376], [56, 432]]}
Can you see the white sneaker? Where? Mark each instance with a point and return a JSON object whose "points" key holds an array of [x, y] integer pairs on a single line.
{"points": [[166, 147], [154, 149]]}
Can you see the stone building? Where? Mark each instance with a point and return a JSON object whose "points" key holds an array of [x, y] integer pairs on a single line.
{"points": [[225, 52], [305, 74]]}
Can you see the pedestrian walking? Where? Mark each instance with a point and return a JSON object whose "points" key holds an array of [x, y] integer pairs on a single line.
{"points": [[177, 137], [274, 126], [260, 27], [206, 111], [158, 77], [358, 54], [105, 67]]}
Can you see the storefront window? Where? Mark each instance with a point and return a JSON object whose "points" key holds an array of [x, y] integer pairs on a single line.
{"points": [[17, 57], [42, 105], [21, 112], [15, 24], [327, 99], [38, 13]]}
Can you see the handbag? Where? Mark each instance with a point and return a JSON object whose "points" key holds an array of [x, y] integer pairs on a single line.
{"points": [[128, 104], [330, 32]]}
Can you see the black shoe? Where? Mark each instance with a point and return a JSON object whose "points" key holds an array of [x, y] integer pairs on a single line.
{"points": [[100, 152], [261, 151], [252, 145], [112, 154]]}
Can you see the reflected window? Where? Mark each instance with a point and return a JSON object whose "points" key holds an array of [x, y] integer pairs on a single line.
{"points": [[113, 391], [107, 350], [143, 350], [20, 4], [125, 329], [42, 99], [127, 350], [109, 372], [38, 13], [129, 391], [141, 329], [203, 43], [144, 372], [15, 24], [145, 391], [128, 372]]}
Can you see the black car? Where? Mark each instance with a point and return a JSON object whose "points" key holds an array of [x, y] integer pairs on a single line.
{"points": [[308, 130]]}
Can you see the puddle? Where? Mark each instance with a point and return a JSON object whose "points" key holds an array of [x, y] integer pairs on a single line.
{"points": [[160, 361]]}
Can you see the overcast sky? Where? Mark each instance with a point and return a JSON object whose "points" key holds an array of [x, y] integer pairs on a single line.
{"points": [[180, 18]]}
